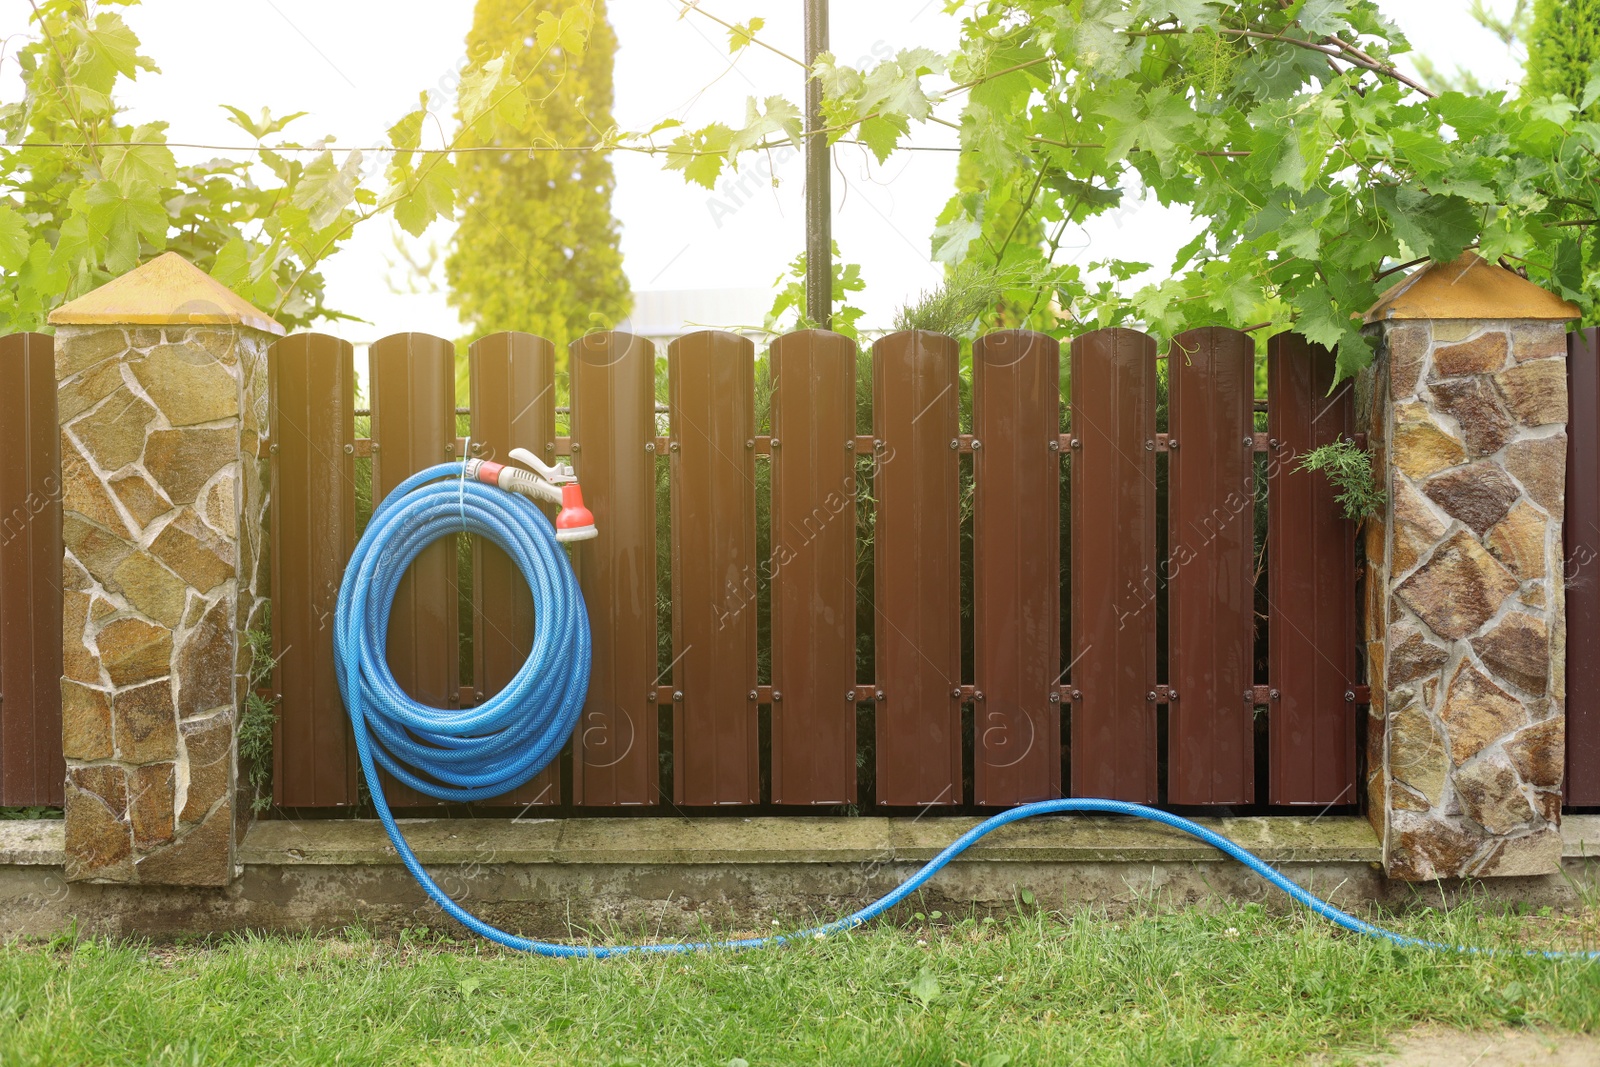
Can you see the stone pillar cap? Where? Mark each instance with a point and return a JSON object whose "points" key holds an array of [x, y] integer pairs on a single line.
{"points": [[1468, 288], [166, 291]]}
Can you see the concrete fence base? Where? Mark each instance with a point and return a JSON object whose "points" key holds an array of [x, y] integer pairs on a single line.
{"points": [[632, 878]]}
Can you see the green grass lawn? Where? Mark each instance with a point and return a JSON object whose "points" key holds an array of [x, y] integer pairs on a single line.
{"points": [[1188, 987]]}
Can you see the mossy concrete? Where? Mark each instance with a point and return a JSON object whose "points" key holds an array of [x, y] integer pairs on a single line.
{"points": [[668, 876]]}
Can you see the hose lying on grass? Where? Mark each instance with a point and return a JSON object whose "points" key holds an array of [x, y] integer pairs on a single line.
{"points": [[472, 754]]}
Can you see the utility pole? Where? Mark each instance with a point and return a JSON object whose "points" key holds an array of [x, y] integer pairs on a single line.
{"points": [[819, 194]]}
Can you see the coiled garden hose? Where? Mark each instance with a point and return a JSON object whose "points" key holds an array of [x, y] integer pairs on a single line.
{"points": [[472, 754]]}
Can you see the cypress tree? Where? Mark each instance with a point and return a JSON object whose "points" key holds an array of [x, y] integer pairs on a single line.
{"points": [[536, 248], [1563, 49]]}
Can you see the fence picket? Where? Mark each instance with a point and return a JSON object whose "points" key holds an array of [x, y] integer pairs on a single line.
{"points": [[711, 384], [1210, 587], [32, 769], [414, 427], [1581, 552], [313, 515], [513, 405], [1311, 629], [917, 563], [1113, 565], [615, 753], [1016, 412], [813, 563]]}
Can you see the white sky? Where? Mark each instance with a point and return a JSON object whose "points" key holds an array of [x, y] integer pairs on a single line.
{"points": [[356, 67]]}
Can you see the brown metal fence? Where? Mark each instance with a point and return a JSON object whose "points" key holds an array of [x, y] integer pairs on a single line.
{"points": [[32, 770], [954, 686], [926, 625], [1582, 577]]}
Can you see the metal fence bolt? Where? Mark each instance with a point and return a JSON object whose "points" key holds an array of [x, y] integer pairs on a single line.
{"points": [[677, 694], [877, 444], [1055, 445], [274, 449], [776, 696], [376, 445], [752, 694], [1249, 696], [1272, 442], [750, 442], [651, 695], [776, 442], [1172, 444], [850, 695], [649, 446], [1055, 698], [955, 443], [1172, 694], [1077, 694], [349, 450], [956, 692], [672, 447], [1149, 446], [576, 446], [880, 695], [849, 446], [976, 444], [1076, 443], [978, 694], [549, 446], [1249, 442], [1273, 694], [1349, 696], [1150, 697]]}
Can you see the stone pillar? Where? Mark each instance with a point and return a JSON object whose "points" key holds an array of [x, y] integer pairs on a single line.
{"points": [[1464, 617], [162, 396]]}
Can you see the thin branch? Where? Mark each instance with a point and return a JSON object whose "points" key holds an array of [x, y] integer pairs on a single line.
{"points": [[1334, 47], [1044, 165], [1380, 275], [694, 5]]}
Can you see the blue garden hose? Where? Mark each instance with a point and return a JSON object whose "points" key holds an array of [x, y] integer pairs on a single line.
{"points": [[493, 748]]}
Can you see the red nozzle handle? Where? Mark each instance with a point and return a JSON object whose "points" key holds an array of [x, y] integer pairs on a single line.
{"points": [[573, 515]]}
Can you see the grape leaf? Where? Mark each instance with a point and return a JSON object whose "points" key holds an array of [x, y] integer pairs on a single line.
{"points": [[432, 196], [1191, 14], [232, 265], [1437, 226], [950, 240], [1427, 153], [120, 218], [1155, 128], [1321, 17], [106, 48], [880, 134], [407, 133], [263, 127], [1591, 92], [1470, 116], [143, 162], [701, 153], [491, 91], [740, 35], [568, 31], [325, 188], [780, 117], [13, 239]]}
